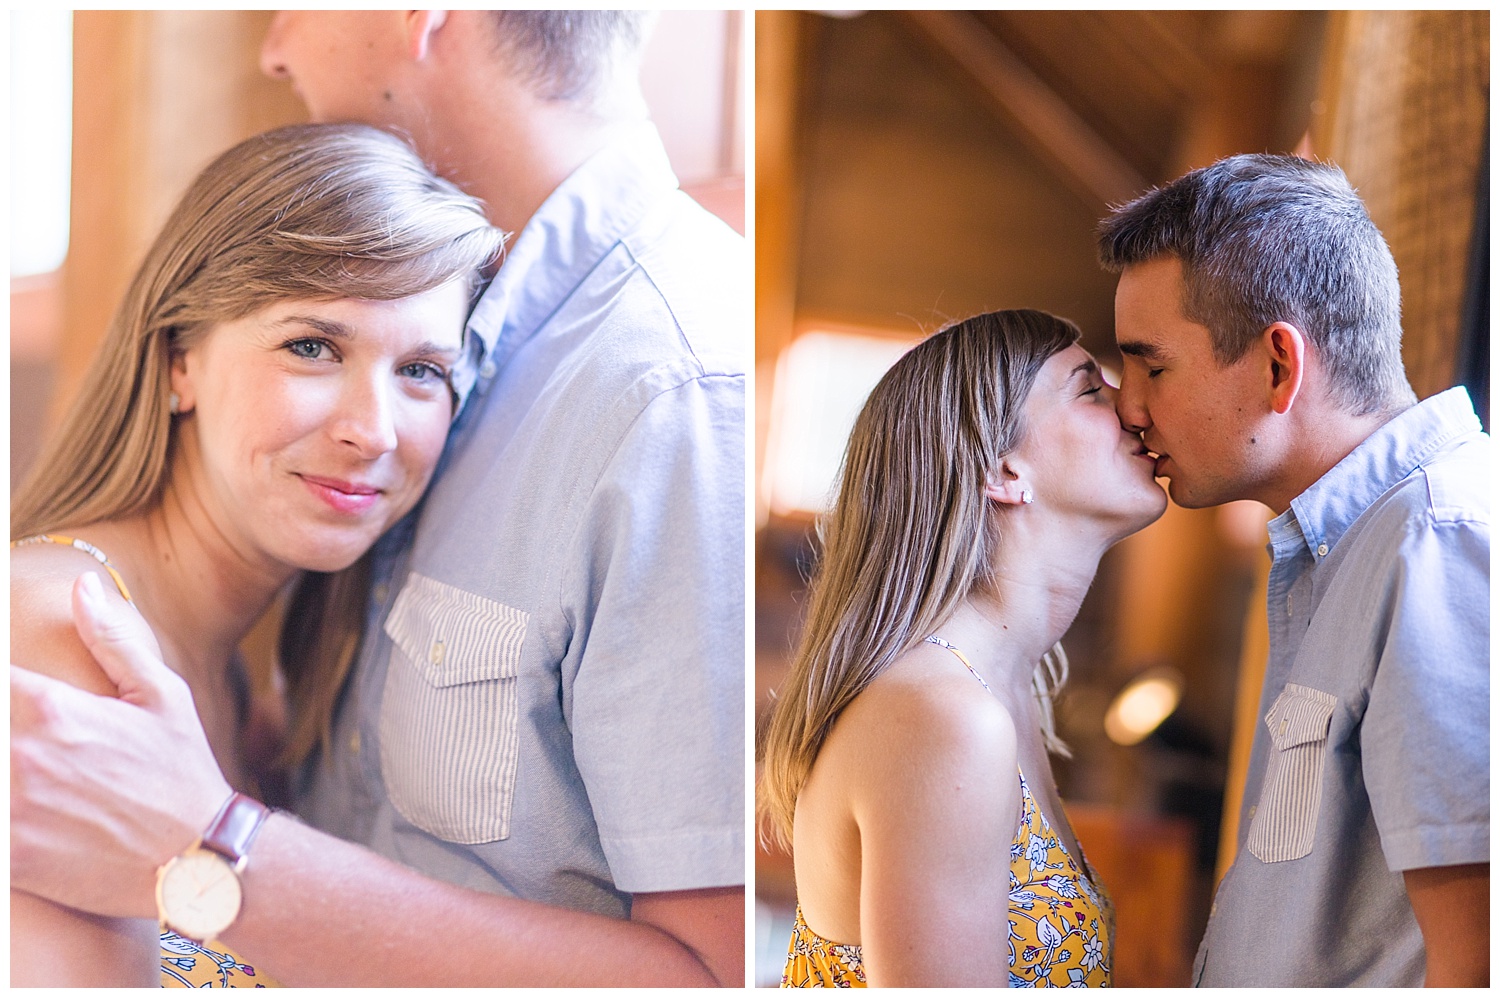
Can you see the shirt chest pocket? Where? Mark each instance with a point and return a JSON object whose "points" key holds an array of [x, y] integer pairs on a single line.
{"points": [[1286, 817], [449, 717]]}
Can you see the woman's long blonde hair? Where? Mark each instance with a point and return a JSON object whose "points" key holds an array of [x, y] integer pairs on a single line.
{"points": [[911, 534], [301, 213]]}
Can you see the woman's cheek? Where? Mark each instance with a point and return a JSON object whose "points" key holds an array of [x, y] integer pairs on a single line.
{"points": [[425, 439]]}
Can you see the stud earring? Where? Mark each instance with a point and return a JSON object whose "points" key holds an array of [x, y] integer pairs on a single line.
{"points": [[174, 403], [1026, 497]]}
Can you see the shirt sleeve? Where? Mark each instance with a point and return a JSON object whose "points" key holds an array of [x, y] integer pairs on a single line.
{"points": [[1425, 738], [658, 699]]}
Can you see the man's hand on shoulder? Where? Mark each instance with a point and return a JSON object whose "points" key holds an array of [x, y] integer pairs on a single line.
{"points": [[103, 789]]}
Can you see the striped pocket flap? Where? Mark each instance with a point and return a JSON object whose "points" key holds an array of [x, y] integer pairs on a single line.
{"points": [[453, 636], [1300, 715]]}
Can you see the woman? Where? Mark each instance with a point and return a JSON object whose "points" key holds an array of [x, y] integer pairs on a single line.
{"points": [[272, 395], [905, 762]]}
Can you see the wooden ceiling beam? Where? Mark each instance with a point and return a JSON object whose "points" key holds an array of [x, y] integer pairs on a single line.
{"points": [[1090, 165]]}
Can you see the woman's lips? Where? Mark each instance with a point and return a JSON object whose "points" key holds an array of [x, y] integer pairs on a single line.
{"points": [[341, 496]]}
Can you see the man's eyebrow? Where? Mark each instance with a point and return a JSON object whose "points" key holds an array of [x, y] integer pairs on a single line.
{"points": [[1135, 348]]}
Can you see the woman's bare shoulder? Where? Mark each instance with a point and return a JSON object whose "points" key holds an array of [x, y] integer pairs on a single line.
{"points": [[925, 718], [43, 637]]}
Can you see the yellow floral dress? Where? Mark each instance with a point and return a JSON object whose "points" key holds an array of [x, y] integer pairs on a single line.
{"points": [[1061, 931], [184, 963]]}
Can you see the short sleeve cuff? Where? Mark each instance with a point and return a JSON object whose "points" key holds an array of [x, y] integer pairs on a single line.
{"points": [[1436, 845], [682, 861]]}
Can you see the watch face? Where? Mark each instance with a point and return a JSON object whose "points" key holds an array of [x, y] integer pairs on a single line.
{"points": [[198, 894]]}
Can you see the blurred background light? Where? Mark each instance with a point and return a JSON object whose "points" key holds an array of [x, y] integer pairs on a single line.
{"points": [[822, 380], [1145, 702]]}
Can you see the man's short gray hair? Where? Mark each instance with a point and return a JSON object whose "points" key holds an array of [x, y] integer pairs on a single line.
{"points": [[1264, 239], [567, 54]]}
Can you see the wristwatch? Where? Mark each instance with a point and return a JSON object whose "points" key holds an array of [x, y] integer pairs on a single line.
{"points": [[198, 892]]}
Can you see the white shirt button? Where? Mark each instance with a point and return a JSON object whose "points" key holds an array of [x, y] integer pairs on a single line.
{"points": [[1322, 550], [487, 369], [435, 653]]}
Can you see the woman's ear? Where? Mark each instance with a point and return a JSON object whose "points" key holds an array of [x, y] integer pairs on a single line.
{"points": [[1005, 485], [183, 398]]}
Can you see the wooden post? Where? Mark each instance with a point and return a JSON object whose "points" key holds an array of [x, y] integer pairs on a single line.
{"points": [[156, 95]]}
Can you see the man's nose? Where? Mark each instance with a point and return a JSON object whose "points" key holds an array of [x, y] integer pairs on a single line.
{"points": [[1130, 404]]}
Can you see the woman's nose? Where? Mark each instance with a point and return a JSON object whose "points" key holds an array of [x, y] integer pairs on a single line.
{"points": [[366, 417]]}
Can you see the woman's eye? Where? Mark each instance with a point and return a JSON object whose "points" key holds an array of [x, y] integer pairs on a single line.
{"points": [[307, 349], [1095, 390], [423, 371]]}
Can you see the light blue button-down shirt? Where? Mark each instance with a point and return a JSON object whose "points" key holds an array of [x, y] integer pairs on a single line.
{"points": [[550, 700], [1374, 755]]}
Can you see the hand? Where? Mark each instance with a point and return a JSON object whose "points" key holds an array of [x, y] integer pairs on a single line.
{"points": [[104, 790]]}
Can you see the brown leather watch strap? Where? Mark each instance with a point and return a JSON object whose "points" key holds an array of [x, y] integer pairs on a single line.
{"points": [[235, 827]]}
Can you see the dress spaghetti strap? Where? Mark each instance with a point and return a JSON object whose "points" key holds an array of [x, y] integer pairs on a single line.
{"points": [[86, 548], [935, 640]]}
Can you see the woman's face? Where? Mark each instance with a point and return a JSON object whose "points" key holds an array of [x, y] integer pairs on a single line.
{"points": [[308, 428], [1077, 457]]}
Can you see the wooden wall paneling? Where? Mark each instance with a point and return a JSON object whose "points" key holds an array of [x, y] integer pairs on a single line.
{"points": [[1033, 110], [779, 52], [107, 214], [920, 207], [1405, 116], [156, 95], [779, 41]]}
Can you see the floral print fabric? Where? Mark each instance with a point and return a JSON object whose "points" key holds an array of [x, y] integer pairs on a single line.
{"points": [[1061, 923], [186, 964]]}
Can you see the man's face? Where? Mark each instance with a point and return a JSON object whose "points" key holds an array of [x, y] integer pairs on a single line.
{"points": [[338, 61], [1197, 416]]}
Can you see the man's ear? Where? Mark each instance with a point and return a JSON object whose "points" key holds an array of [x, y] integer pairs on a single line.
{"points": [[421, 25], [1006, 485], [1286, 351]]}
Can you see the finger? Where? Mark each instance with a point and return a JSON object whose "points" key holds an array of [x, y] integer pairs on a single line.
{"points": [[26, 691], [121, 642], [37, 700]]}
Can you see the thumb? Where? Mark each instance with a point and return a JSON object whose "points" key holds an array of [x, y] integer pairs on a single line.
{"points": [[121, 642]]}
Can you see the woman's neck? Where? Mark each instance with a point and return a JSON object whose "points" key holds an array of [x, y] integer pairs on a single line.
{"points": [[1037, 583], [199, 592]]}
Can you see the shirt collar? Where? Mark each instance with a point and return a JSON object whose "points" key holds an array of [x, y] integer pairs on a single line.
{"points": [[1331, 504], [573, 229]]}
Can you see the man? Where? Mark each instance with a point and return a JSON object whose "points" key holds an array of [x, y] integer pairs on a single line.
{"points": [[1258, 313], [545, 727]]}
